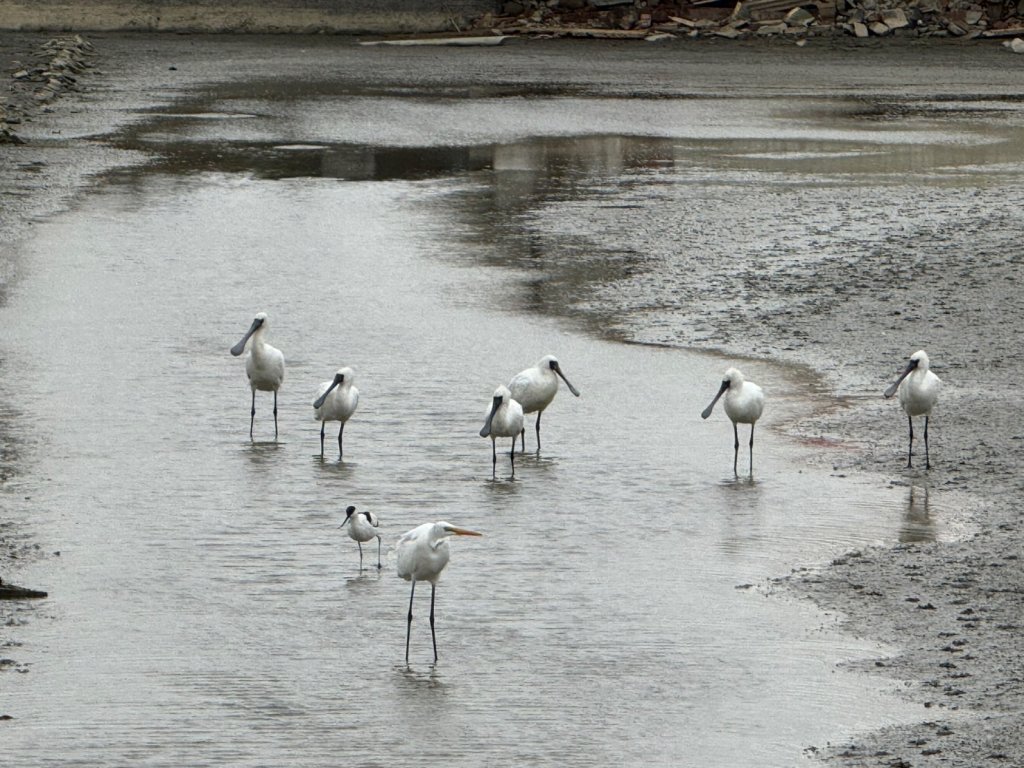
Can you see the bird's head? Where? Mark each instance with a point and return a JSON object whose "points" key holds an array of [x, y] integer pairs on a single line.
{"points": [[258, 322], [551, 362], [918, 362], [733, 378]]}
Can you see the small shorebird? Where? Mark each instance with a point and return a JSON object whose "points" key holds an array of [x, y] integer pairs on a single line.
{"points": [[365, 526]]}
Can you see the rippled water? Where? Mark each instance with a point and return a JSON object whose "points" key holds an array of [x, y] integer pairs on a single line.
{"points": [[206, 610]]}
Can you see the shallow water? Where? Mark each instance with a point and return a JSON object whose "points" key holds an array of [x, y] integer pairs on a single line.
{"points": [[206, 610]]}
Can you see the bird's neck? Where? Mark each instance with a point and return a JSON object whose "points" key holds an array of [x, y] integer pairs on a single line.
{"points": [[256, 343]]}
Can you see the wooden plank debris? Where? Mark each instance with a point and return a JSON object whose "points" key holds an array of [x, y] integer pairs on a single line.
{"points": [[607, 34], [1008, 32], [447, 40]]}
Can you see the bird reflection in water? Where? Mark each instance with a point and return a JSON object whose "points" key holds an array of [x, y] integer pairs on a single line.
{"points": [[918, 526], [421, 680]]}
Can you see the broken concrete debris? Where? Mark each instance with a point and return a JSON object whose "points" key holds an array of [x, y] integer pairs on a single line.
{"points": [[732, 19]]}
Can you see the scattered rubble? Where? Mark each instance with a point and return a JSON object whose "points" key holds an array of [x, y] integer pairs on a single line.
{"points": [[797, 19], [52, 70]]}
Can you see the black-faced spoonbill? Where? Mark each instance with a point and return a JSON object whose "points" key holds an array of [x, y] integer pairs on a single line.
{"points": [[336, 401], [744, 402], [264, 365], [365, 526], [422, 555], [504, 419], [919, 391], [535, 388]]}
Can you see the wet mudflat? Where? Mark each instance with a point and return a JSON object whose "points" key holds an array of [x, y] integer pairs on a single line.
{"points": [[206, 608]]}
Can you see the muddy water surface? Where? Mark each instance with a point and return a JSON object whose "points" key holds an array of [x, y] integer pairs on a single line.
{"points": [[205, 608]]}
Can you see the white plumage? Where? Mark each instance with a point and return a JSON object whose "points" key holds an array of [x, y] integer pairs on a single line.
{"points": [[744, 403], [336, 401], [264, 365], [919, 391], [365, 526], [504, 419], [422, 555], [534, 388]]}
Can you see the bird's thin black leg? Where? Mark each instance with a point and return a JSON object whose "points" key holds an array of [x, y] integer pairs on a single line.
{"points": [[751, 450], [378, 553], [360, 555], [494, 458], [735, 447], [408, 627], [275, 414], [927, 462], [252, 413], [522, 434], [433, 590], [341, 451], [538, 431], [322, 425], [910, 448], [512, 457]]}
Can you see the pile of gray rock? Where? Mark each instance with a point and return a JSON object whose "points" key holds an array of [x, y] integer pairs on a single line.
{"points": [[49, 71], [799, 19]]}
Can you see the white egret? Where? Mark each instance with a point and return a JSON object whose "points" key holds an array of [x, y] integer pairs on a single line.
{"points": [[422, 554], [919, 391], [264, 365], [744, 403], [365, 526], [535, 388], [504, 419], [336, 401]]}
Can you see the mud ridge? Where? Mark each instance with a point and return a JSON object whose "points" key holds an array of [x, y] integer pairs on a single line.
{"points": [[46, 73]]}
